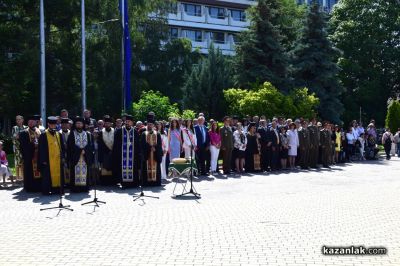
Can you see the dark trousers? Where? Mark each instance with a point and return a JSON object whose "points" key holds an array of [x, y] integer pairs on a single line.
{"points": [[227, 159], [273, 157], [387, 147], [313, 156], [349, 151], [264, 157], [201, 160]]}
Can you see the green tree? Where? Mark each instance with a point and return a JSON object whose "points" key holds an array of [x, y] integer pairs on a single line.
{"points": [[188, 114], [393, 115], [314, 64], [156, 102], [269, 101], [367, 31], [203, 90], [19, 60], [260, 54], [290, 19], [305, 104]]}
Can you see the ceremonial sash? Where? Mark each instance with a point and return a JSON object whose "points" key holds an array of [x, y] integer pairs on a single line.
{"points": [[190, 135], [34, 138], [151, 163], [177, 136], [127, 154], [54, 145], [108, 138], [81, 167], [163, 143]]}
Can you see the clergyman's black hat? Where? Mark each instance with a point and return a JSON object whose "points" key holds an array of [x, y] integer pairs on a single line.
{"points": [[129, 117], [79, 119], [52, 120]]}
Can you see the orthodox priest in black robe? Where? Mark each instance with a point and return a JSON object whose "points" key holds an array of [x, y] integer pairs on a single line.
{"points": [[126, 154], [29, 144], [105, 152], [80, 156], [151, 154], [51, 159], [65, 131]]}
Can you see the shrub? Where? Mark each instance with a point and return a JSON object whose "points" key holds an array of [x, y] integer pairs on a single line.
{"points": [[393, 115]]}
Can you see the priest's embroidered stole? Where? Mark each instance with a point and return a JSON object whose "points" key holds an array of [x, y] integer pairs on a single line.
{"points": [[127, 154]]}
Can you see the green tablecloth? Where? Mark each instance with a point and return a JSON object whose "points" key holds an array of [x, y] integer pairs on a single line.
{"points": [[181, 169]]}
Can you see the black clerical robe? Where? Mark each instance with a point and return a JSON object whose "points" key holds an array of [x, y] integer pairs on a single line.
{"points": [[80, 158], [105, 142], [51, 158], [29, 144], [151, 157], [126, 161]]}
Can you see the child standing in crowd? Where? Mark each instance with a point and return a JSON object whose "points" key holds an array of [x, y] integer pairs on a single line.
{"points": [[361, 141], [4, 172]]}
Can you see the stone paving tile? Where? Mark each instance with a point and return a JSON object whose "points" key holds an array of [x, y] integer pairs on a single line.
{"points": [[275, 219]]}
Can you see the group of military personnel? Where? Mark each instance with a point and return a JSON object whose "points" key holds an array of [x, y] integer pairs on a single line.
{"points": [[315, 145]]}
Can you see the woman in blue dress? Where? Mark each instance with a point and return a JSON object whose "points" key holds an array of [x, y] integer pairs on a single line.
{"points": [[175, 140]]}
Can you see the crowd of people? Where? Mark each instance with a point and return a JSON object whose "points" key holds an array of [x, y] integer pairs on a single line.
{"points": [[73, 153]]}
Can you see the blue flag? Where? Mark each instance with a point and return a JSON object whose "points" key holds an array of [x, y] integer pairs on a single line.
{"points": [[127, 56]]}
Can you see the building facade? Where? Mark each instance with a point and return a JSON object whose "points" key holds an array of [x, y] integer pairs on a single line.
{"points": [[215, 21], [209, 21]]}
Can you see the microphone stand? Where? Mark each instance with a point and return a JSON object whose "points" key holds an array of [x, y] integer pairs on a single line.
{"points": [[192, 190], [60, 206], [95, 200], [142, 195]]}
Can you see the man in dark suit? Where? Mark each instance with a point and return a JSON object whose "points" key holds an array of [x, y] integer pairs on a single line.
{"points": [[203, 144], [263, 132], [273, 144]]}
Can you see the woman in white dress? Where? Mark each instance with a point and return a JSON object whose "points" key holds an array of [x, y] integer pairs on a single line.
{"points": [[293, 144], [164, 145], [189, 138]]}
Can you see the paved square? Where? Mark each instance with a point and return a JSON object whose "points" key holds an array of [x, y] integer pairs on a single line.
{"points": [[277, 219]]}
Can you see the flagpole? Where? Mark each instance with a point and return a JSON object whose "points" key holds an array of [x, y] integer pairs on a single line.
{"points": [[42, 65], [83, 37], [123, 55]]}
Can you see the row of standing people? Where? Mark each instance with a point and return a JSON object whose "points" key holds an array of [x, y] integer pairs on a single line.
{"points": [[52, 159], [259, 146]]}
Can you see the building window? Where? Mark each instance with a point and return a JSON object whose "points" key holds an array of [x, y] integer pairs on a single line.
{"points": [[193, 10], [173, 33], [238, 15], [217, 37], [194, 35], [173, 8], [216, 12]]}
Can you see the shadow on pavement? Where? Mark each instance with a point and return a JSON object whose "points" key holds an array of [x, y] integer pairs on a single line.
{"points": [[77, 196]]}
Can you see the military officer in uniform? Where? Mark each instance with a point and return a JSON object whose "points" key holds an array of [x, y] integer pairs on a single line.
{"points": [[226, 145], [314, 143], [304, 145], [325, 142]]}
